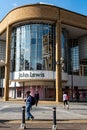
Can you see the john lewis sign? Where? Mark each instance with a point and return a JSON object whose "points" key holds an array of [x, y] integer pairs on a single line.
{"points": [[31, 74], [34, 75]]}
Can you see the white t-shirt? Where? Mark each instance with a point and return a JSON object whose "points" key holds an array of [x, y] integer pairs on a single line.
{"points": [[64, 97]]}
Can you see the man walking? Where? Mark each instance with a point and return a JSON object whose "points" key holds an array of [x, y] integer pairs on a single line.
{"points": [[28, 106], [36, 97]]}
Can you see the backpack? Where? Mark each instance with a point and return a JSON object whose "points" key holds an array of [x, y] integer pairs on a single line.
{"points": [[32, 100], [67, 97]]}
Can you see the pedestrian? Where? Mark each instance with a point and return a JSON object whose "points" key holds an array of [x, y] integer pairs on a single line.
{"points": [[77, 96], [36, 98], [29, 106], [66, 100]]}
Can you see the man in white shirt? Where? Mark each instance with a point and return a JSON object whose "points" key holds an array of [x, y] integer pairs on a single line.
{"points": [[65, 100]]}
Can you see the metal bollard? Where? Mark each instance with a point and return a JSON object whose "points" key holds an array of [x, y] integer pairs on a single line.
{"points": [[54, 127], [23, 125]]}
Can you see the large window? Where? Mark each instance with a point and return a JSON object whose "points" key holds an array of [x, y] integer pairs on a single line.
{"points": [[2, 72], [74, 55], [33, 47], [64, 49]]}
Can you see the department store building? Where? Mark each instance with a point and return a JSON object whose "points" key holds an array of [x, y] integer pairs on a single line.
{"points": [[44, 48]]}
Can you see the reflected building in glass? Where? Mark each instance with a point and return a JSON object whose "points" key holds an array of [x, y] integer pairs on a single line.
{"points": [[34, 45]]}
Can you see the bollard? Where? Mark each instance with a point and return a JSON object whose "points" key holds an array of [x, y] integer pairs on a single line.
{"points": [[23, 125], [54, 127]]}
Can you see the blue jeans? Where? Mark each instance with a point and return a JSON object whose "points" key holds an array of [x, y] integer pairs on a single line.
{"points": [[28, 108]]}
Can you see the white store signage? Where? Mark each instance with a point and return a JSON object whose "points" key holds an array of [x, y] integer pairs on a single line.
{"points": [[34, 75], [31, 74]]}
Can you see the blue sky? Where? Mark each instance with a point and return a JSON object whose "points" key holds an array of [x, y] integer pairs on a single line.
{"points": [[78, 6]]}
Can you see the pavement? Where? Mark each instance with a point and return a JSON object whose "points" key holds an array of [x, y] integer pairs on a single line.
{"points": [[73, 119]]}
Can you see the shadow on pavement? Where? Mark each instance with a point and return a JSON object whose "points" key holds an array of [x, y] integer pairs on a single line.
{"points": [[5, 127], [3, 121]]}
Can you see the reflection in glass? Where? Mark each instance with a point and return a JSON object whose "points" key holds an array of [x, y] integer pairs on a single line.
{"points": [[34, 45]]}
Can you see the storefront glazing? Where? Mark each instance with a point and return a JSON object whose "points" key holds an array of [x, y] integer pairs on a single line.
{"points": [[33, 49], [34, 45]]}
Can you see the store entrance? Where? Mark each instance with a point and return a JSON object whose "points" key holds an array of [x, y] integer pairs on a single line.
{"points": [[46, 92]]}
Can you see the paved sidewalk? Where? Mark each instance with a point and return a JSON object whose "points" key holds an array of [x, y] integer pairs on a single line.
{"points": [[76, 111], [73, 119], [45, 112]]}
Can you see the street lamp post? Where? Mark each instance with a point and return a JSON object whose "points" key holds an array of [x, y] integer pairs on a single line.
{"points": [[2, 87], [14, 90], [23, 90], [72, 84]]}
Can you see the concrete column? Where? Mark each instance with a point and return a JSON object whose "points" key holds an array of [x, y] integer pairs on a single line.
{"points": [[7, 65], [58, 63]]}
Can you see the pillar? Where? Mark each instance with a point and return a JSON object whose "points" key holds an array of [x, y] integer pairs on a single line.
{"points": [[58, 63], [7, 65]]}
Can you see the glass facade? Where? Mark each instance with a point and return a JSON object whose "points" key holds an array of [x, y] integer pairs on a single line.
{"points": [[64, 49], [70, 53], [33, 47], [74, 56], [2, 72]]}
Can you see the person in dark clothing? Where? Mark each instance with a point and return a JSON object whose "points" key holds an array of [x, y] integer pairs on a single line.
{"points": [[28, 106], [77, 96], [36, 98]]}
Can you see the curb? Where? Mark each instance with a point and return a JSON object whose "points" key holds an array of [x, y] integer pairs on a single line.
{"points": [[49, 121]]}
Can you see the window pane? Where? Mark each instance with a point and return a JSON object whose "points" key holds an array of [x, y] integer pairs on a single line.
{"points": [[28, 42]]}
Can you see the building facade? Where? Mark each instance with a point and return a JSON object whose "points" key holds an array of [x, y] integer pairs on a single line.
{"points": [[43, 48]]}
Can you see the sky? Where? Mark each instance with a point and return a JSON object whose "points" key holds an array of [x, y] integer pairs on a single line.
{"points": [[78, 6]]}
